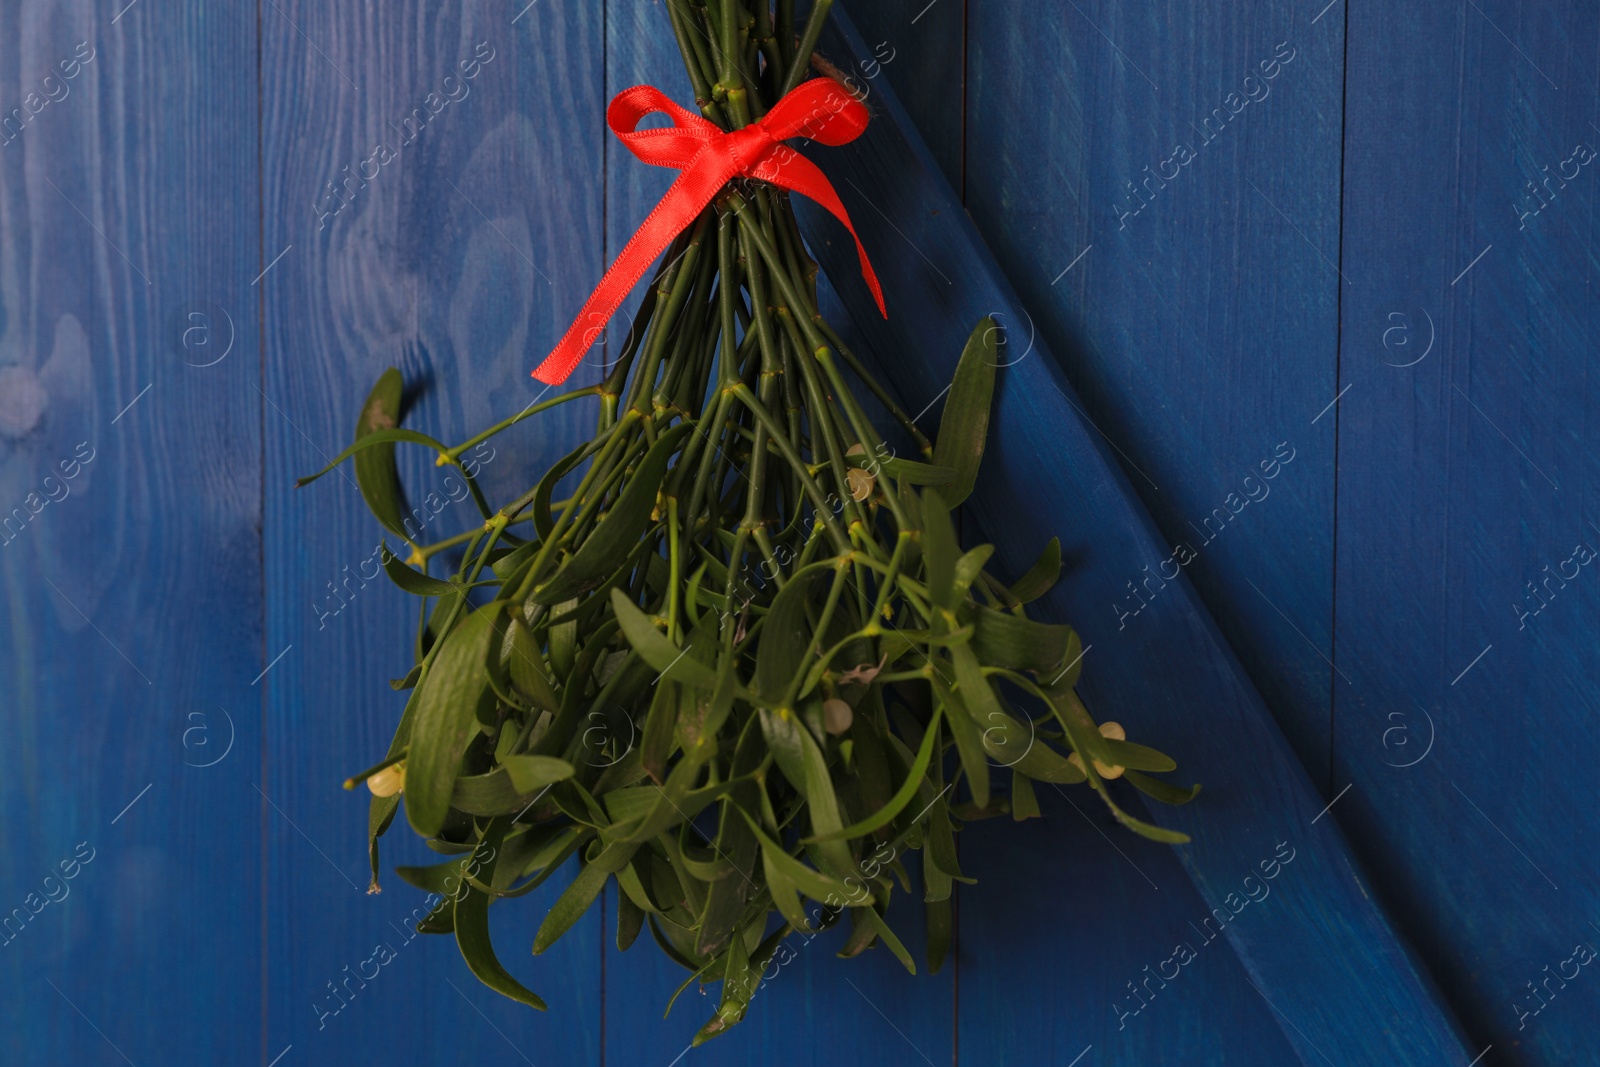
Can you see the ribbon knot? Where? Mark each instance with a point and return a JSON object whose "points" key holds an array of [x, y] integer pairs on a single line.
{"points": [[709, 158], [746, 147]]}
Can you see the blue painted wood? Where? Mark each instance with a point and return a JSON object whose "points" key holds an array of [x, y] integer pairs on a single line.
{"points": [[455, 260], [1075, 936], [1325, 957], [640, 50], [920, 48], [129, 506], [1190, 156], [141, 197], [1467, 471]]}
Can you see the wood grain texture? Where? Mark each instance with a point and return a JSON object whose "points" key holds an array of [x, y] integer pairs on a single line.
{"points": [[455, 260], [1200, 326], [1067, 936], [920, 48], [1468, 471], [640, 50], [128, 561], [1318, 949], [194, 655]]}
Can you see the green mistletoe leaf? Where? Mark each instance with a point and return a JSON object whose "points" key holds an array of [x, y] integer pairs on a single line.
{"points": [[965, 423], [448, 700]]}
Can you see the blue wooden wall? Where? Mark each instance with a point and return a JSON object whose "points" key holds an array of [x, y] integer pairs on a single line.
{"points": [[1220, 220]]}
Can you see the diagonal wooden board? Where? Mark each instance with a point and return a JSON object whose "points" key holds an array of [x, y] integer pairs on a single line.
{"points": [[1329, 961]]}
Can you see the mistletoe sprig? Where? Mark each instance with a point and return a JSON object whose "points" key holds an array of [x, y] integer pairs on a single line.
{"points": [[728, 652]]}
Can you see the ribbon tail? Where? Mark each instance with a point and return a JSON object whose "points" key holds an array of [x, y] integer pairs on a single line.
{"points": [[798, 174], [687, 197]]}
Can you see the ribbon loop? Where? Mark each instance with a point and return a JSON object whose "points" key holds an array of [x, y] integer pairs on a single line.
{"points": [[667, 146], [827, 115], [709, 159]]}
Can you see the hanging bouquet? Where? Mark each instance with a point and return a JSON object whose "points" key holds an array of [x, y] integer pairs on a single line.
{"points": [[729, 651]]}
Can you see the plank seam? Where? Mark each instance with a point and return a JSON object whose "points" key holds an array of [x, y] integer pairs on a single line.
{"points": [[966, 60], [261, 514], [1338, 371]]}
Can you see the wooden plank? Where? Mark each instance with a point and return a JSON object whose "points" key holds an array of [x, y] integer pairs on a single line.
{"points": [[129, 516], [1467, 471], [1319, 949], [1190, 156], [453, 252], [1078, 937], [869, 1003], [920, 47], [640, 50]]}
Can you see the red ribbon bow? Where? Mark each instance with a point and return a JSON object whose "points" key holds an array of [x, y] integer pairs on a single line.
{"points": [[710, 158]]}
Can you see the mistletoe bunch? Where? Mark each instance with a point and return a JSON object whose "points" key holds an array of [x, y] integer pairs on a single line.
{"points": [[728, 652]]}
